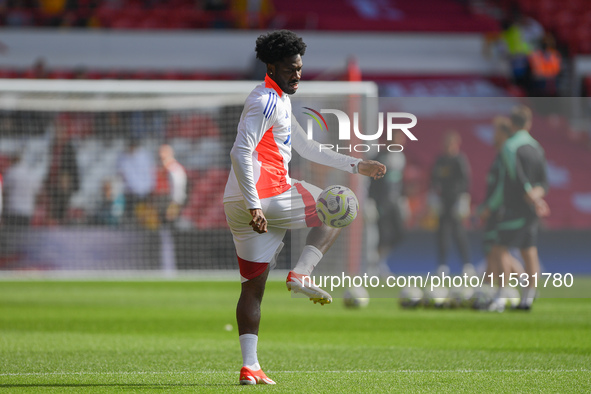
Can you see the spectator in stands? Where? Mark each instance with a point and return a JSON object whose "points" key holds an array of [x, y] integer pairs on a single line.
{"points": [[63, 180], [216, 9], [38, 70], [170, 196], [450, 179], [545, 64], [137, 170], [18, 15], [112, 206], [532, 32], [171, 185], [252, 14], [517, 50], [22, 184]]}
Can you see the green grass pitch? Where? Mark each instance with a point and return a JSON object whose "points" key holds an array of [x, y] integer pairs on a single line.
{"points": [[64, 336]]}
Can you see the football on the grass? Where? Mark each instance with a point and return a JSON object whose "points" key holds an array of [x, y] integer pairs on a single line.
{"points": [[356, 297], [337, 206]]}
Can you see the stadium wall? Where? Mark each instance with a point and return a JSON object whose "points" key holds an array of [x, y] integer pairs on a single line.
{"points": [[562, 251], [416, 54], [51, 249]]}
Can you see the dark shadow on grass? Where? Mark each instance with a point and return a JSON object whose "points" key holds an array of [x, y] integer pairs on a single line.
{"points": [[120, 385]]}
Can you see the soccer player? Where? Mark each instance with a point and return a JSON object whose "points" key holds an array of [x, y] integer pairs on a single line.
{"points": [[391, 204], [450, 179], [261, 201], [523, 188], [503, 131]]}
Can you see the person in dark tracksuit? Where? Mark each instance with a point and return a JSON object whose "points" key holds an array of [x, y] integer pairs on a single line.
{"points": [[521, 195], [490, 217], [388, 194], [450, 179]]}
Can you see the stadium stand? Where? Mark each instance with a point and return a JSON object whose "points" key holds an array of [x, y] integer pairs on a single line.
{"points": [[422, 15], [568, 20]]}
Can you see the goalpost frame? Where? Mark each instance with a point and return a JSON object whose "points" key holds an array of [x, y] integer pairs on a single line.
{"points": [[19, 94]]}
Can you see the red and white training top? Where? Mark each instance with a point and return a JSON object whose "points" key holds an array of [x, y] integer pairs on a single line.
{"points": [[262, 150]]}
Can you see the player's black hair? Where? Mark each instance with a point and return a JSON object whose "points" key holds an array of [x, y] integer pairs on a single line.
{"points": [[520, 116], [275, 46]]}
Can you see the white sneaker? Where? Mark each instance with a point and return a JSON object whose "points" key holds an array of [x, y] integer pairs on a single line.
{"points": [[469, 270], [497, 305], [299, 283], [443, 270]]}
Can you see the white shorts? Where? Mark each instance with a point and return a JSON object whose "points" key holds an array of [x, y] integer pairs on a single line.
{"points": [[293, 209]]}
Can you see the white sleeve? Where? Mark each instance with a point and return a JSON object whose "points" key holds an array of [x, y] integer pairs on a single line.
{"points": [[258, 117], [310, 150]]}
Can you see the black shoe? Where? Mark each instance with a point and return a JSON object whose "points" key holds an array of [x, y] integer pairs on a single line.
{"points": [[523, 307]]}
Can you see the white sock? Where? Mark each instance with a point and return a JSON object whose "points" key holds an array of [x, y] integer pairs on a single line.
{"points": [[527, 296], [309, 258], [248, 346]]}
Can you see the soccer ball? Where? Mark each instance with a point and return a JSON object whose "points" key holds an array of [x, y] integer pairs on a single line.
{"points": [[410, 297], [512, 297], [337, 206], [356, 297], [460, 297], [438, 297]]}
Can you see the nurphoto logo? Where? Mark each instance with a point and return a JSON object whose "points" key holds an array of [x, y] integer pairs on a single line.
{"points": [[344, 130]]}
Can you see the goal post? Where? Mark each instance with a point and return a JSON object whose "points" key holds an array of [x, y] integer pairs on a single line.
{"points": [[65, 147]]}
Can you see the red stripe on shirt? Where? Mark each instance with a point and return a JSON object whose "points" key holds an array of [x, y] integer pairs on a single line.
{"points": [[312, 219], [272, 179]]}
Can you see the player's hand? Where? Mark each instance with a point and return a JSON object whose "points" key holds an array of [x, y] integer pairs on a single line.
{"points": [[371, 168], [258, 222], [542, 208]]}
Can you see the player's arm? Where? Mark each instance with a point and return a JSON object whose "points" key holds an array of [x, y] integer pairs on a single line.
{"points": [[535, 196], [533, 193], [259, 117], [311, 150]]}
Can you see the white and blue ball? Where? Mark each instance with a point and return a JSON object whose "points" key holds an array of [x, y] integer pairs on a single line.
{"points": [[356, 297], [337, 206]]}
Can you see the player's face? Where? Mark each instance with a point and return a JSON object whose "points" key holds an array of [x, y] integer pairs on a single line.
{"points": [[287, 73]]}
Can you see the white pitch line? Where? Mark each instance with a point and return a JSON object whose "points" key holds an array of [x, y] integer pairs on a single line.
{"points": [[402, 371]]}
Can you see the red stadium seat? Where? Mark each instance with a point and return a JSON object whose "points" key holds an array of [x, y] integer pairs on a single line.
{"points": [[9, 74], [61, 74], [123, 23]]}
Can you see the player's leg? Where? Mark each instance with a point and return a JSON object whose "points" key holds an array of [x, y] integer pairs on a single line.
{"points": [[461, 240], [318, 242], [248, 317], [300, 212], [442, 241], [532, 266], [248, 310], [502, 261], [254, 252]]}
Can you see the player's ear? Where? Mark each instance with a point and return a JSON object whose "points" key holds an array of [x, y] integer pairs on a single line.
{"points": [[270, 69]]}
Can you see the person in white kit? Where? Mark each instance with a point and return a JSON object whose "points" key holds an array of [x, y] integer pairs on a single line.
{"points": [[261, 201]]}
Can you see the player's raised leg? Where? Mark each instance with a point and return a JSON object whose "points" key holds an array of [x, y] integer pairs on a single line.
{"points": [[319, 240]]}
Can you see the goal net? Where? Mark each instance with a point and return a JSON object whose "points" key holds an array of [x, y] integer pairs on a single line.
{"points": [[89, 190]]}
